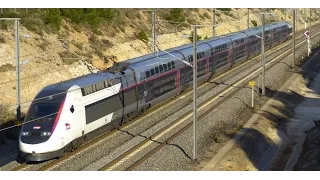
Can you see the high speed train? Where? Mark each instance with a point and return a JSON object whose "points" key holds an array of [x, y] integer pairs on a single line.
{"points": [[62, 115]]}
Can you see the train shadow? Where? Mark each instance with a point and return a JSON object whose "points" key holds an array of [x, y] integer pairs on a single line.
{"points": [[259, 148]]}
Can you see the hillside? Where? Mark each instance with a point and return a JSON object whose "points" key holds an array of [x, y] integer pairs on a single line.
{"points": [[60, 44]]}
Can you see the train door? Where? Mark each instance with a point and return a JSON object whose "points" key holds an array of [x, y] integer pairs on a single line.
{"points": [[78, 113], [142, 89], [178, 85], [207, 68], [212, 62], [75, 122]]}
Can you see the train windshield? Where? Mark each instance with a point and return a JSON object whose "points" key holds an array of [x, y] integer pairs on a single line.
{"points": [[45, 107]]}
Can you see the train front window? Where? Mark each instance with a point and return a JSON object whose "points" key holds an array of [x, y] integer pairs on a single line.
{"points": [[45, 112], [45, 107]]}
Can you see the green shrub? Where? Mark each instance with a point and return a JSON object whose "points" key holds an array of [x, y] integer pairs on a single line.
{"points": [[2, 39], [7, 67], [255, 24], [272, 20], [52, 18], [68, 57], [3, 25], [224, 9], [91, 16], [176, 15], [191, 37], [78, 45], [142, 35], [33, 24]]}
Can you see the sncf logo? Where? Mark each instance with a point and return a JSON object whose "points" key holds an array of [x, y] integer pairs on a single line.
{"points": [[68, 126], [36, 127]]}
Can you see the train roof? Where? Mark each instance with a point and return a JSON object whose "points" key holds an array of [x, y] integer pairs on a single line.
{"points": [[215, 41], [81, 81]]}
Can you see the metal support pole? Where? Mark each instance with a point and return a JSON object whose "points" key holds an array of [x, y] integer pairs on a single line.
{"points": [[1, 10], [263, 58], [154, 30], [194, 93], [305, 18], [18, 77], [248, 19], [285, 14], [252, 92], [309, 42], [294, 38], [214, 23]]}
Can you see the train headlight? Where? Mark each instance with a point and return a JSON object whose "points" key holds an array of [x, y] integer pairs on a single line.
{"points": [[45, 133], [25, 133]]}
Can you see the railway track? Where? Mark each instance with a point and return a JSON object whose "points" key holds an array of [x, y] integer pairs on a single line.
{"points": [[155, 137]]}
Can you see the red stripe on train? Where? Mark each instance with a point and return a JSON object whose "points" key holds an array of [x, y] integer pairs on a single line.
{"points": [[58, 116]]}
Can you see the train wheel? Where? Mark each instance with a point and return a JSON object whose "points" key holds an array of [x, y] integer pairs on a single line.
{"points": [[130, 116], [72, 146]]}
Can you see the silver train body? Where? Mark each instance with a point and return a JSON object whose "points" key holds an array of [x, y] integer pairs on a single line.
{"points": [[63, 115]]}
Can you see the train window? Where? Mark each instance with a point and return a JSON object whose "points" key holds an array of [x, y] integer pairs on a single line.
{"points": [[93, 88], [169, 65], [197, 55], [106, 83], [98, 87], [152, 72], [172, 64], [147, 73], [161, 68], [89, 89], [165, 67], [202, 54], [157, 69], [110, 83]]}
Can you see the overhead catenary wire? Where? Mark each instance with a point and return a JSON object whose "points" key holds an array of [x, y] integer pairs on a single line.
{"points": [[114, 78], [47, 73], [65, 108]]}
